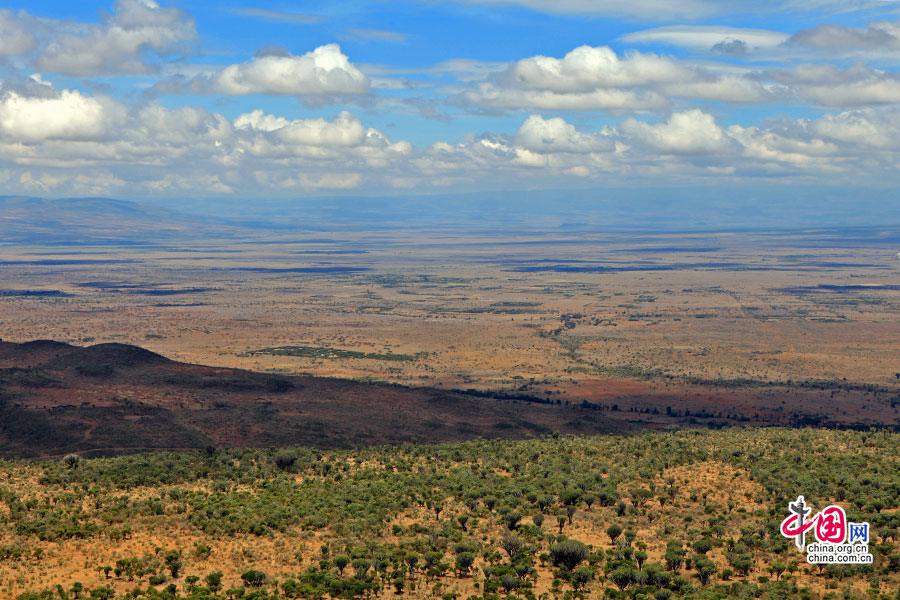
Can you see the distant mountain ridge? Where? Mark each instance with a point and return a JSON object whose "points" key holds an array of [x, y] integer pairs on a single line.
{"points": [[159, 220], [103, 220]]}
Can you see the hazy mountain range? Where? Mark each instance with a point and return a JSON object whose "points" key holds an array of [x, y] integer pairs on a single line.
{"points": [[100, 220]]}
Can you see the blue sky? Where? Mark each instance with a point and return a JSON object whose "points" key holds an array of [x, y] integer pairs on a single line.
{"points": [[143, 98]]}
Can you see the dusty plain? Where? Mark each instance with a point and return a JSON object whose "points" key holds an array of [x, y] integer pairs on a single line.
{"points": [[658, 328]]}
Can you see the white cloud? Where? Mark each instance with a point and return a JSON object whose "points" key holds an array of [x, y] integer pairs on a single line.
{"points": [[586, 78], [689, 144], [598, 79], [344, 140], [828, 85], [260, 121], [724, 88], [589, 78], [585, 69], [781, 152], [180, 127], [866, 128], [122, 44], [53, 141], [556, 135], [344, 130], [877, 90], [324, 71], [878, 34], [706, 37], [48, 138], [688, 132], [64, 115], [878, 40], [604, 99]]}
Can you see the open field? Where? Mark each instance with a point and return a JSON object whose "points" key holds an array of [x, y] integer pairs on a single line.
{"points": [[763, 327], [689, 514]]}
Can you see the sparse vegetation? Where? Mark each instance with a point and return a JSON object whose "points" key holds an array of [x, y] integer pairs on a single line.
{"points": [[332, 353], [670, 515]]}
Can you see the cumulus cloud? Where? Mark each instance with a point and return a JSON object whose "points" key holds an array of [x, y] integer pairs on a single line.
{"points": [[65, 115], [556, 135], [122, 44], [782, 152], [260, 121], [554, 148], [866, 128], [687, 144], [344, 138], [599, 79], [180, 128], [590, 78], [47, 136], [344, 130], [50, 138], [586, 68], [316, 153], [62, 139], [688, 132], [324, 71], [586, 78]]}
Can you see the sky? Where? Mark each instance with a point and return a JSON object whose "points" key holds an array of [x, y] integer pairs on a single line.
{"points": [[180, 99]]}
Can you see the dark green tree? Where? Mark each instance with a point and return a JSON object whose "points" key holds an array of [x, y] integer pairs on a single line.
{"points": [[568, 554]]}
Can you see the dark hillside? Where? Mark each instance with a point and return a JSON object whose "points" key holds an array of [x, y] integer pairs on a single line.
{"points": [[115, 398]]}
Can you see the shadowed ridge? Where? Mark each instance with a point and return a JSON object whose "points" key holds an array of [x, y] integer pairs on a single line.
{"points": [[34, 346], [44, 346], [114, 398], [32, 353], [111, 355]]}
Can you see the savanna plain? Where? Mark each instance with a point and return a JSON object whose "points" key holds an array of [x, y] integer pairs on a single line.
{"points": [[430, 413]]}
